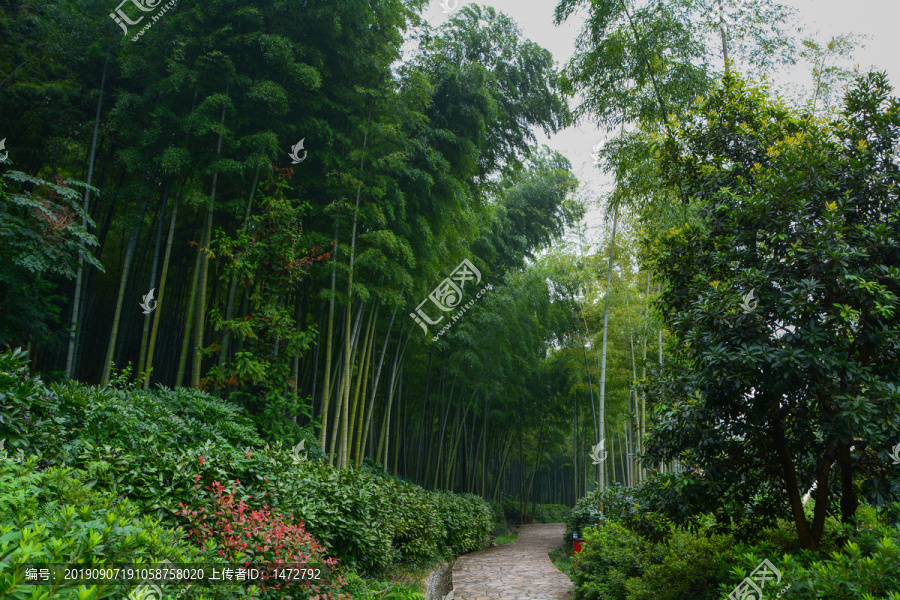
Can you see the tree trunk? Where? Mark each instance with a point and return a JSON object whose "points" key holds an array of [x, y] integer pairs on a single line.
{"points": [[575, 450], [86, 203], [341, 410], [326, 379], [387, 336], [361, 389], [397, 430], [151, 346], [789, 475], [723, 34], [384, 438], [232, 287], [344, 444], [602, 410], [120, 299], [204, 269], [142, 356], [189, 321], [849, 501]]}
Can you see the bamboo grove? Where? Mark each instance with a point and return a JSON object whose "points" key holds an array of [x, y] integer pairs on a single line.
{"points": [[165, 165], [296, 190]]}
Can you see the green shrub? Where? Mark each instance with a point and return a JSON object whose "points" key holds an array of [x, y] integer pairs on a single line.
{"points": [[467, 520], [508, 512], [411, 517], [29, 419], [51, 516], [632, 507], [867, 567], [160, 449], [693, 568], [499, 524], [551, 513], [611, 556]]}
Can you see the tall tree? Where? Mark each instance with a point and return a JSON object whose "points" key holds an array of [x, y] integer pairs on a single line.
{"points": [[790, 267]]}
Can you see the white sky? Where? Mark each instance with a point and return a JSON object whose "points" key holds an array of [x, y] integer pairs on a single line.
{"points": [[822, 19]]}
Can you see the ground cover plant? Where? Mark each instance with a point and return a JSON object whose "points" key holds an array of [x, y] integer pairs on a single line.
{"points": [[192, 471], [619, 563], [301, 281]]}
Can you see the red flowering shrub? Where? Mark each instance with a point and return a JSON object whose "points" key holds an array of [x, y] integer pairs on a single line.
{"points": [[289, 559]]}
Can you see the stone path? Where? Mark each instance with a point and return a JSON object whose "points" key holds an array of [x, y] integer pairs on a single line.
{"points": [[520, 570]]}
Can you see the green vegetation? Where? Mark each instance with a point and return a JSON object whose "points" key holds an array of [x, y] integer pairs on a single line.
{"points": [[562, 558], [618, 563], [145, 476], [294, 279], [506, 539], [509, 512]]}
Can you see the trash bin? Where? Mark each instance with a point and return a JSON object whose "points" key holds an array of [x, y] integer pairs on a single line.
{"points": [[578, 540]]}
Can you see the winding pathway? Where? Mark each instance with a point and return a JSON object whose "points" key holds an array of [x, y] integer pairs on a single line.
{"points": [[520, 570]]}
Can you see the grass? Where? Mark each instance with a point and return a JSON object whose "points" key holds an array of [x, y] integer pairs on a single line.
{"points": [[562, 558], [505, 539], [401, 582]]}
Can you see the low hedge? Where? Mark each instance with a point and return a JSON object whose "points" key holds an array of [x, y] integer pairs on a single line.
{"points": [[52, 516], [617, 563], [509, 511], [164, 448]]}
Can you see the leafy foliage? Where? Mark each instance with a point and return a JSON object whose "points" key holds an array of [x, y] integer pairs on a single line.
{"points": [[52, 516], [264, 537], [167, 447], [43, 234], [864, 568], [805, 214]]}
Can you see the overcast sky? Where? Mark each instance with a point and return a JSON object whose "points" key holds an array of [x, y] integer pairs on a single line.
{"points": [[877, 19]]}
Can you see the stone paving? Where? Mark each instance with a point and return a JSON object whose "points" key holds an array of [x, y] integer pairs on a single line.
{"points": [[520, 570]]}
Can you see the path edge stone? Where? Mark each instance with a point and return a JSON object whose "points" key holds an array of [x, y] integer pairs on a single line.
{"points": [[439, 585]]}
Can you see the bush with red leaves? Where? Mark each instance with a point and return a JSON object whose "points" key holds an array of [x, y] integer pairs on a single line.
{"points": [[285, 554]]}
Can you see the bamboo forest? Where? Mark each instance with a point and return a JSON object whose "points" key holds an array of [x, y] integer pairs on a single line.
{"points": [[449, 300]]}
